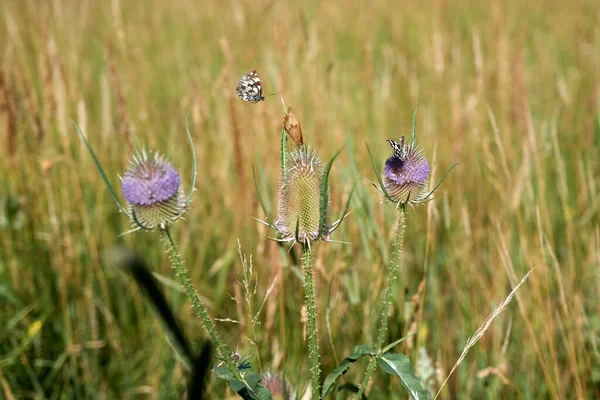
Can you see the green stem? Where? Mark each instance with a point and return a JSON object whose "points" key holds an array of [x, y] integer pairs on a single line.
{"points": [[313, 345], [389, 294], [197, 305]]}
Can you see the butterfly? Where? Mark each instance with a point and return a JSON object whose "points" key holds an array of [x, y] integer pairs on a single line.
{"points": [[398, 147], [249, 87]]}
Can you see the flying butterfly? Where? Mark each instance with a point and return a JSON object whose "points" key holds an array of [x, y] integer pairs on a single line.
{"points": [[249, 87], [398, 147]]}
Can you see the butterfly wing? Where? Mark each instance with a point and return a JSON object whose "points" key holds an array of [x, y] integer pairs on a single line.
{"points": [[249, 88], [398, 147]]}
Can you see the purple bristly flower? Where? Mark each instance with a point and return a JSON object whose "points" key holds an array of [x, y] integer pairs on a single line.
{"points": [[151, 188], [406, 172]]}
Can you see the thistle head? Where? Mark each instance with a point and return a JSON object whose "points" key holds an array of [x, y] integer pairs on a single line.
{"points": [[152, 191], [300, 213], [406, 173], [280, 388]]}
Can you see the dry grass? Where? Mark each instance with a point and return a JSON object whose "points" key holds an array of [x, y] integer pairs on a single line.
{"points": [[508, 90]]}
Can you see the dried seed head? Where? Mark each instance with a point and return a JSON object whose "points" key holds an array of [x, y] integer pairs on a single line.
{"points": [[292, 126], [280, 388], [406, 172], [152, 191], [299, 196]]}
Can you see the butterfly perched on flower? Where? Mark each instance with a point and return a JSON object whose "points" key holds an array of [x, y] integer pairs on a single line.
{"points": [[249, 88], [398, 147]]}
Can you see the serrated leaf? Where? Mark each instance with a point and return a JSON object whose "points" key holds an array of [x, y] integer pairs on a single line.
{"points": [[358, 352], [325, 193], [400, 366]]}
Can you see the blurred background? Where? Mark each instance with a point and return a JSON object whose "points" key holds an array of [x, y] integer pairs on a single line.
{"points": [[508, 89]]}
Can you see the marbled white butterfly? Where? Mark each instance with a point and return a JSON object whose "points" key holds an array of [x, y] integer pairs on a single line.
{"points": [[398, 147], [249, 87]]}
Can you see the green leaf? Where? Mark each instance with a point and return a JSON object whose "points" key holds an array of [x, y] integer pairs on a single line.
{"points": [[260, 201], [224, 373], [381, 188], [187, 129], [112, 192], [324, 194], [413, 133], [440, 181], [389, 346], [399, 365], [346, 208], [283, 151], [357, 353]]}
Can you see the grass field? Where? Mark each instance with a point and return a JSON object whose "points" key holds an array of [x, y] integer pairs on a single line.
{"points": [[508, 89]]}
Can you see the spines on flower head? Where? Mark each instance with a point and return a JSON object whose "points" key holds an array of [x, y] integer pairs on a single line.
{"points": [[406, 173], [300, 197], [151, 188]]}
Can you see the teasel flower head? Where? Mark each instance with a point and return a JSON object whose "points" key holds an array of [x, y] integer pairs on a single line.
{"points": [[152, 191], [406, 173], [300, 197], [303, 191], [280, 388], [151, 187]]}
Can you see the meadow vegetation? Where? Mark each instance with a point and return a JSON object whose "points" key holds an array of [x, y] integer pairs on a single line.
{"points": [[508, 89]]}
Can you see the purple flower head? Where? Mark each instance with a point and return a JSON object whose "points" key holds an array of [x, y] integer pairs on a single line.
{"points": [[406, 171], [151, 188]]}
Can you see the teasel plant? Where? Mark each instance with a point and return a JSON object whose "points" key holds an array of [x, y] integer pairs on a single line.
{"points": [[303, 207], [154, 201], [404, 183]]}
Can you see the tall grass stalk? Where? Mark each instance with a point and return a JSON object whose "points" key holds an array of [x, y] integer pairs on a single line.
{"points": [[389, 293], [313, 345]]}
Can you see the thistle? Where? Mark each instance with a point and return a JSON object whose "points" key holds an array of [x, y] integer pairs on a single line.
{"points": [[406, 172], [405, 181], [304, 201], [154, 200], [151, 188], [299, 198]]}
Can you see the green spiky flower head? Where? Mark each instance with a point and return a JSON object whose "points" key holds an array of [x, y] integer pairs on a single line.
{"points": [[300, 197], [151, 187]]}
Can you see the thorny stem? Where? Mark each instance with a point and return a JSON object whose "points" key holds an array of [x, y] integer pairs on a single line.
{"points": [[197, 305], [313, 345], [389, 293]]}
